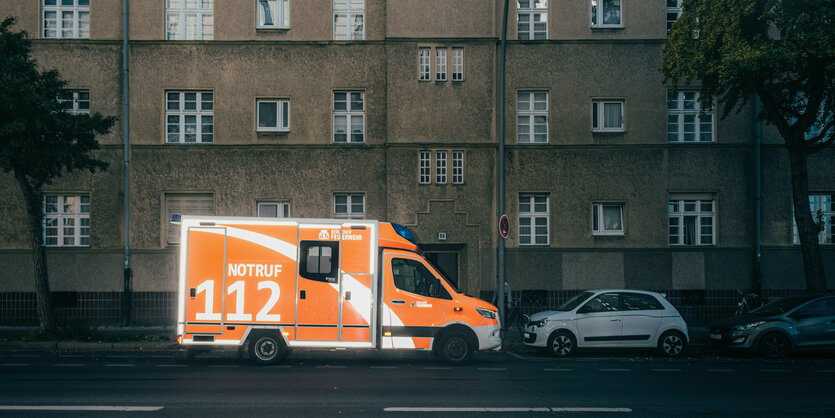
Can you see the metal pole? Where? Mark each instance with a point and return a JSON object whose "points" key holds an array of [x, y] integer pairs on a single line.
{"points": [[126, 294], [757, 199], [500, 299]]}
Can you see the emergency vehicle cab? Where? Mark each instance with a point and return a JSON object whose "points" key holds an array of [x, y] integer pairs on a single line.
{"points": [[272, 285]]}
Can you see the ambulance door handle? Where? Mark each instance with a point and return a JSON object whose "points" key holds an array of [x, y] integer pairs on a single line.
{"points": [[302, 294], [192, 292], [398, 301], [347, 295]]}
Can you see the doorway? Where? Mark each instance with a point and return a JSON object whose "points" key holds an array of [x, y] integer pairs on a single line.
{"points": [[447, 263]]}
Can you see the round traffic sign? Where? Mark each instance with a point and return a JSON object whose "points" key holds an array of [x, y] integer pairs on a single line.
{"points": [[504, 226]]}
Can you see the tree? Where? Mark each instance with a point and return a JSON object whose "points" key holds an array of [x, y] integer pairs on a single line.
{"points": [[781, 53], [39, 142]]}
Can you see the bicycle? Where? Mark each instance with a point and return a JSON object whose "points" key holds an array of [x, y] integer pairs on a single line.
{"points": [[748, 302]]}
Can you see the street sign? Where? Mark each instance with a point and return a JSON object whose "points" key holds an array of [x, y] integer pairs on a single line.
{"points": [[504, 226]]}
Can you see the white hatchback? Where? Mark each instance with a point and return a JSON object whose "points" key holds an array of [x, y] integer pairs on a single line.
{"points": [[609, 318]]}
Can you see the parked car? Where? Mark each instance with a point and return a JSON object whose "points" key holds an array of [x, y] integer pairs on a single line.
{"points": [[777, 328], [609, 318]]}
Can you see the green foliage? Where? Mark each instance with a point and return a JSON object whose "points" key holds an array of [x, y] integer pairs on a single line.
{"points": [[37, 138]]}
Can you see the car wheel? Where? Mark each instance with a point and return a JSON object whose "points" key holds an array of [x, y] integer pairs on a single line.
{"points": [[672, 343], [562, 343], [454, 348], [774, 345], [267, 349]]}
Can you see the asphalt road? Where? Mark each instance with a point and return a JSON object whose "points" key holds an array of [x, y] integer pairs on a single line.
{"points": [[339, 383]]}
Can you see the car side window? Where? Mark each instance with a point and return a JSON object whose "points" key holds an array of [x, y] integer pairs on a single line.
{"points": [[823, 307], [639, 302], [606, 302], [413, 277], [319, 260]]}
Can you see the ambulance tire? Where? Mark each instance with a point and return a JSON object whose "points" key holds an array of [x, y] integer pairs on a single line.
{"points": [[267, 348], [454, 347]]}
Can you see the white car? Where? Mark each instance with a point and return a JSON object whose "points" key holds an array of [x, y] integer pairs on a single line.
{"points": [[609, 318]]}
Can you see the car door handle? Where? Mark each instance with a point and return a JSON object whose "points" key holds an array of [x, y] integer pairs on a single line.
{"points": [[615, 319], [398, 301]]}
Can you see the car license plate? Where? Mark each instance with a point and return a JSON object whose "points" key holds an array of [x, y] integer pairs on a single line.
{"points": [[715, 336]]}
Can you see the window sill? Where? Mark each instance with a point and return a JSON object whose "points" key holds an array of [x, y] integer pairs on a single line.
{"points": [[618, 235], [611, 28], [271, 28]]}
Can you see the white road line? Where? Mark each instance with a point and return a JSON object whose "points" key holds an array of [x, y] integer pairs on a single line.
{"points": [[720, 370], [615, 370], [116, 356], [557, 370], [667, 370], [14, 364], [69, 365], [80, 408], [493, 369], [774, 371], [119, 365], [502, 409]]}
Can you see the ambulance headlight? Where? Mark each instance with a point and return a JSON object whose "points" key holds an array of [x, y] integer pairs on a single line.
{"points": [[486, 313]]}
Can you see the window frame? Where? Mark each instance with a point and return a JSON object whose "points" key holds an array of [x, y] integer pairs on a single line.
{"points": [[532, 114], [441, 167], [349, 202], [181, 12], [75, 100], [817, 200], [59, 9], [282, 20], [348, 12], [677, 9], [441, 64], [282, 125], [598, 217], [424, 64], [203, 203], [533, 215], [531, 21], [457, 64], [679, 112], [599, 108], [349, 113], [597, 18], [181, 113], [281, 208], [698, 199], [424, 167], [304, 255], [77, 215], [457, 167]]}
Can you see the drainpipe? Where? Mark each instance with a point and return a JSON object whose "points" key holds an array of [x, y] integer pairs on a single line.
{"points": [[757, 199], [127, 298], [500, 299]]}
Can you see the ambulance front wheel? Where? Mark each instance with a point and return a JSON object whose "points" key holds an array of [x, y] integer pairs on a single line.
{"points": [[454, 348], [267, 349]]}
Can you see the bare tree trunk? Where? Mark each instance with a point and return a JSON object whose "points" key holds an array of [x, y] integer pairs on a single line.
{"points": [[34, 210], [807, 229]]}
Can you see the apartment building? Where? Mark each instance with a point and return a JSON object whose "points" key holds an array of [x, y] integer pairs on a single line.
{"points": [[388, 109]]}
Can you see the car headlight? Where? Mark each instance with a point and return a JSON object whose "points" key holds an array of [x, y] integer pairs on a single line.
{"points": [[486, 313], [540, 323], [748, 326]]}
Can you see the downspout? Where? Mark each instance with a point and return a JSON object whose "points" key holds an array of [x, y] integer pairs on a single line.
{"points": [[757, 200], [500, 299], [127, 298]]}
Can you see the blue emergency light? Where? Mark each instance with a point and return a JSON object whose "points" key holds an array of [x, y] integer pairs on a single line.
{"points": [[404, 232]]}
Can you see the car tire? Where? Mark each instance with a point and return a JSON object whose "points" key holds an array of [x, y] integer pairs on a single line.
{"points": [[454, 347], [266, 349], [562, 343], [672, 343], [774, 345]]}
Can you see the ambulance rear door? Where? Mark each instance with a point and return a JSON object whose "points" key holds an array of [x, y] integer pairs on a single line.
{"points": [[205, 280]]}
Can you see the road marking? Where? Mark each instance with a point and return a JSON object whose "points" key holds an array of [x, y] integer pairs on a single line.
{"points": [[80, 408], [69, 365], [720, 370], [500, 409], [774, 371], [72, 355], [14, 364], [557, 370], [383, 367], [119, 365], [614, 370], [493, 369], [666, 370], [169, 356], [116, 356]]}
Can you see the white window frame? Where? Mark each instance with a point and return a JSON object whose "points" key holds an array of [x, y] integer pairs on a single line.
{"points": [[350, 201], [684, 205], [534, 116], [76, 101], [282, 209], [457, 167], [440, 167], [678, 113], [424, 64], [282, 116], [457, 64], [673, 9], [531, 219], [440, 64], [184, 203], [529, 15], [598, 219], [203, 112], [279, 12], [350, 10], [353, 110], [598, 115], [598, 13], [77, 26], [64, 219], [424, 167], [825, 202], [179, 12]]}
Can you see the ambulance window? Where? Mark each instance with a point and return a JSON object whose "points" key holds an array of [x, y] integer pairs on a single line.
{"points": [[319, 260], [412, 276]]}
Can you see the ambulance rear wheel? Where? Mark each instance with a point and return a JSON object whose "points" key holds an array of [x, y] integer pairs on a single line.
{"points": [[267, 349], [454, 348]]}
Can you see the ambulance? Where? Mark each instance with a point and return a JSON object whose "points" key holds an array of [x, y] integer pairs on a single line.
{"points": [[274, 285]]}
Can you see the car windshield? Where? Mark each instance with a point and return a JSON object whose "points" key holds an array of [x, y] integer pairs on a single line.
{"points": [[779, 306], [574, 302]]}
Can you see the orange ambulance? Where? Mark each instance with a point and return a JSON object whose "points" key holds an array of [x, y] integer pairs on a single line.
{"points": [[272, 285]]}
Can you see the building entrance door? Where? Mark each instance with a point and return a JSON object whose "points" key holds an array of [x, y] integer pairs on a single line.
{"points": [[446, 263]]}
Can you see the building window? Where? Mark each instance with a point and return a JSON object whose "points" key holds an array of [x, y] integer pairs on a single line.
{"points": [[425, 167], [440, 64], [75, 101], [423, 64], [533, 219], [607, 116], [607, 219], [692, 220], [457, 64], [189, 117], [349, 205], [606, 13], [66, 221], [440, 167], [273, 115], [273, 14], [532, 126], [457, 167], [685, 120], [532, 19], [348, 18], [273, 210], [200, 204], [673, 12], [822, 214], [189, 20], [348, 114], [66, 19]]}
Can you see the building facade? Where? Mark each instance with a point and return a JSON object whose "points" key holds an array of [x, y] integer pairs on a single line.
{"points": [[388, 109]]}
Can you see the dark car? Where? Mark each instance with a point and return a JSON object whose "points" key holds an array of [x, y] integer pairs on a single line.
{"points": [[777, 328]]}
